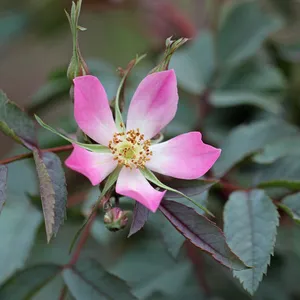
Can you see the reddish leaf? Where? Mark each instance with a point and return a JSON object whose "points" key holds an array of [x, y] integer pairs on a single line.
{"points": [[140, 217], [203, 233], [189, 187]]}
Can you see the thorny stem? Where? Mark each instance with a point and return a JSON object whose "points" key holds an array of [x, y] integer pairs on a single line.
{"points": [[29, 155]]}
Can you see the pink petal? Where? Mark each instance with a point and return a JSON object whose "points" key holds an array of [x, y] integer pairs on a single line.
{"points": [[131, 183], [91, 109], [184, 157], [154, 103], [95, 166]]}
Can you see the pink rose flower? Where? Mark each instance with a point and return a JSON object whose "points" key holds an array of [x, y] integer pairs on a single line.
{"points": [[152, 107]]}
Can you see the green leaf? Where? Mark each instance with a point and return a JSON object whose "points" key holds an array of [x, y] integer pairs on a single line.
{"points": [[285, 172], [90, 147], [19, 222], [170, 283], [151, 177], [286, 146], [26, 283], [16, 123], [255, 75], [232, 98], [200, 231], [291, 205], [120, 91], [250, 226], [243, 31], [88, 280], [3, 180], [141, 259], [245, 140], [195, 64]]}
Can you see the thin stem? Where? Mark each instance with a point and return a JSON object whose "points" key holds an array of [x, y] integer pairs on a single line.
{"points": [[29, 155], [83, 240], [63, 292]]}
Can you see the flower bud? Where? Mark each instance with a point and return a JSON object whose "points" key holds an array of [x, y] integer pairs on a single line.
{"points": [[77, 66], [116, 219]]}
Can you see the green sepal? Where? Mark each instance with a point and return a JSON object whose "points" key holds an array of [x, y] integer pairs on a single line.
{"points": [[90, 147], [131, 65], [151, 177]]}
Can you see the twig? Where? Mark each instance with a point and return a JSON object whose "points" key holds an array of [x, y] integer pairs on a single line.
{"points": [[29, 155], [82, 241], [63, 292]]}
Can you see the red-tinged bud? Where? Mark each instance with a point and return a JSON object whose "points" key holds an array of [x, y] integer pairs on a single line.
{"points": [[116, 219]]}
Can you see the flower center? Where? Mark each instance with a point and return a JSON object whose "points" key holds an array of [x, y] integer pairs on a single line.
{"points": [[130, 149]]}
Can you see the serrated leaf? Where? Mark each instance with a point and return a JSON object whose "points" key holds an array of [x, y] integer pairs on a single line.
{"points": [[53, 190], [16, 123], [3, 180], [291, 205], [90, 147], [250, 226], [228, 98], [194, 65], [169, 235], [245, 140], [243, 31], [284, 172], [203, 233], [24, 284], [57, 176], [285, 146], [88, 280], [19, 222], [151, 177], [47, 194], [139, 218]]}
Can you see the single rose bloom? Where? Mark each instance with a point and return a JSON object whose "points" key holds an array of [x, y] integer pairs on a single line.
{"points": [[152, 107]]}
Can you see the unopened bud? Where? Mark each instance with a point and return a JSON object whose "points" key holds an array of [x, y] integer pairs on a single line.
{"points": [[171, 47], [116, 219], [77, 66]]}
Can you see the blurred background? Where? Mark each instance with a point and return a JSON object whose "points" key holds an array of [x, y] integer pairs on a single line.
{"points": [[241, 66]]}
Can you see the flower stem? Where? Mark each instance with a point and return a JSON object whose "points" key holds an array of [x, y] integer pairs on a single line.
{"points": [[29, 155]]}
